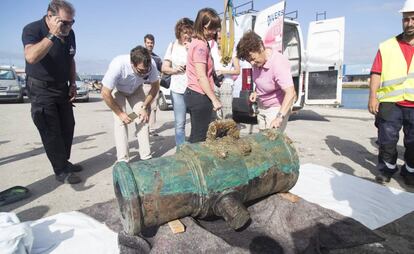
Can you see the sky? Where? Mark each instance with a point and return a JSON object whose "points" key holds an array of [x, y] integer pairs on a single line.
{"points": [[107, 28]]}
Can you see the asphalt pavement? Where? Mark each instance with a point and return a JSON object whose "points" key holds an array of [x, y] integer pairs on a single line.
{"points": [[342, 139]]}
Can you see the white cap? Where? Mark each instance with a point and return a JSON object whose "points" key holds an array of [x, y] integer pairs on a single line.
{"points": [[408, 6]]}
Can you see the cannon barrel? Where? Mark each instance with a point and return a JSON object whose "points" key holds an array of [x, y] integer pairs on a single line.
{"points": [[210, 178]]}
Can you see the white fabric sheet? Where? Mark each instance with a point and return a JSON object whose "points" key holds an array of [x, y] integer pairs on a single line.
{"points": [[73, 232], [15, 237], [372, 204]]}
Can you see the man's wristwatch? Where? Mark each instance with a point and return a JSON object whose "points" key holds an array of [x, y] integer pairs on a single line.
{"points": [[144, 107], [280, 115], [51, 37]]}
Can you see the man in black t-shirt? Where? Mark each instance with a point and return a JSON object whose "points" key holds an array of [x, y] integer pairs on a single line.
{"points": [[49, 50], [149, 43]]}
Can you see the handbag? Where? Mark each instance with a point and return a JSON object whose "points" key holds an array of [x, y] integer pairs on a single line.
{"points": [[165, 80]]}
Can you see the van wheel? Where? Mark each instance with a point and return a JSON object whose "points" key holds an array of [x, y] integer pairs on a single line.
{"points": [[162, 104]]}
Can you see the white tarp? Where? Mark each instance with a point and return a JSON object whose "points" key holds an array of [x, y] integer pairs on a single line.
{"points": [[15, 237], [372, 204], [72, 232]]}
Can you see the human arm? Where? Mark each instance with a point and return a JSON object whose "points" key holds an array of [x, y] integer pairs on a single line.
{"points": [[374, 85], [72, 81], [234, 71], [143, 111], [168, 69], [201, 70], [34, 52], [109, 100], [289, 98]]}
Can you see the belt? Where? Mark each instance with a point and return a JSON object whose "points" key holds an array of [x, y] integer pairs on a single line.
{"points": [[38, 82]]}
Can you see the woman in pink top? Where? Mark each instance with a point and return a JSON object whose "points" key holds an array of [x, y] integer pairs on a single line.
{"points": [[273, 79], [199, 95]]}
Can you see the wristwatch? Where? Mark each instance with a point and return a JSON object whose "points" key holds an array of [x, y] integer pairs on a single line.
{"points": [[144, 107], [280, 115], [51, 37]]}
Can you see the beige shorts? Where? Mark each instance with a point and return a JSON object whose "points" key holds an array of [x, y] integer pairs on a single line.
{"points": [[267, 114]]}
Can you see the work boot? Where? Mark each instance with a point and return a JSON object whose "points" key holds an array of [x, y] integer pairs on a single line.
{"points": [[73, 167], [383, 177], [68, 178], [407, 176]]}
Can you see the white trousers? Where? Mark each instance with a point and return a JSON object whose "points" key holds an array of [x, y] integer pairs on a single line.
{"points": [[135, 101]]}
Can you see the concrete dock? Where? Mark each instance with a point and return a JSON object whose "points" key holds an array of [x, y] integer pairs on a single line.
{"points": [[337, 138]]}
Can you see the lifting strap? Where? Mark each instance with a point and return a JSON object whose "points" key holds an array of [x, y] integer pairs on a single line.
{"points": [[227, 36]]}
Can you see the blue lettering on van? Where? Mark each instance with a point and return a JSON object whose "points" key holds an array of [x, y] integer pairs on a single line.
{"points": [[272, 17]]}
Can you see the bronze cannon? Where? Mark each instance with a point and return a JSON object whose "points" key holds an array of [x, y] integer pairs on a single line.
{"points": [[214, 177]]}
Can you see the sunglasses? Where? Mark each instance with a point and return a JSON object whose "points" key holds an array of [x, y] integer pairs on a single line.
{"points": [[68, 23], [65, 22], [143, 73]]}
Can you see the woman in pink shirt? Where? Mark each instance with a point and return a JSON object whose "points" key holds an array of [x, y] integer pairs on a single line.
{"points": [[199, 95], [273, 79]]}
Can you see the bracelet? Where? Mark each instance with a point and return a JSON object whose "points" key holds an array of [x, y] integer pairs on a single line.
{"points": [[51, 37]]}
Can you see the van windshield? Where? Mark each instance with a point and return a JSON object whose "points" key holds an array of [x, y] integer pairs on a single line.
{"points": [[6, 75]]}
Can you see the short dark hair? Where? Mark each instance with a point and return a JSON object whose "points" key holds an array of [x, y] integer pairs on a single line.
{"points": [[140, 54], [184, 25], [206, 16], [249, 43], [56, 5], [149, 37]]}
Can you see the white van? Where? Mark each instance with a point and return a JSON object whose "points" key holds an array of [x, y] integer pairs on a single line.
{"points": [[317, 72]]}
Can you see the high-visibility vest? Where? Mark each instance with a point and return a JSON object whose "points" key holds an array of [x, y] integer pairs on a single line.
{"points": [[396, 84]]}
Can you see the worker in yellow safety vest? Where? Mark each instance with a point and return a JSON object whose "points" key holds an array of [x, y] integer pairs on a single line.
{"points": [[391, 99]]}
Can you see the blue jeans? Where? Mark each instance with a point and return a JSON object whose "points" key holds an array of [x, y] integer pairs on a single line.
{"points": [[179, 115]]}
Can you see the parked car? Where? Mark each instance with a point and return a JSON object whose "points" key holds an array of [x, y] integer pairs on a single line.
{"points": [[82, 90], [22, 81], [10, 87]]}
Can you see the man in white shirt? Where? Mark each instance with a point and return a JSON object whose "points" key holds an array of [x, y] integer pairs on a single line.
{"points": [[123, 82]]}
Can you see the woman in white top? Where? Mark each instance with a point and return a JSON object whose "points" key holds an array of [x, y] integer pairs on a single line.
{"points": [[175, 60], [230, 71]]}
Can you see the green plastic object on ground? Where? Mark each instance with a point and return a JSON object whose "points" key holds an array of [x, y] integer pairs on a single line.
{"points": [[209, 178], [13, 194]]}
